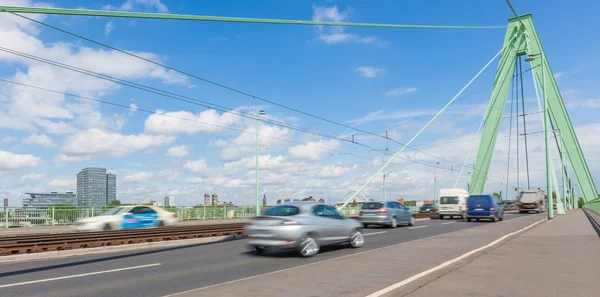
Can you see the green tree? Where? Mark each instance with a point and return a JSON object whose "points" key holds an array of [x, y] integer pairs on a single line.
{"points": [[580, 202], [114, 203], [498, 195]]}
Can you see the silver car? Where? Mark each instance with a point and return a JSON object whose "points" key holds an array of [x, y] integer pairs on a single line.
{"points": [[390, 213], [304, 226]]}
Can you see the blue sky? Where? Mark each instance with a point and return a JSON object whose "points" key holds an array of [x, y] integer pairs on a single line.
{"points": [[373, 78]]}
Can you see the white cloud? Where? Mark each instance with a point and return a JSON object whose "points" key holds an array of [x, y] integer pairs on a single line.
{"points": [[558, 75], [148, 5], [99, 142], [178, 151], [10, 161], [174, 123], [584, 103], [194, 180], [39, 139], [71, 159], [313, 151], [62, 183], [7, 139], [400, 91], [168, 174], [133, 107], [245, 144], [139, 177], [336, 34], [108, 28], [196, 166], [32, 177], [369, 71]]}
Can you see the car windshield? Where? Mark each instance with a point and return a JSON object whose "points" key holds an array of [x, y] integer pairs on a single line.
{"points": [[449, 200], [373, 205], [112, 211], [282, 211], [478, 200], [426, 206]]}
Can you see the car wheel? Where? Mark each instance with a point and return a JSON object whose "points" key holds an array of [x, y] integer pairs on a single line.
{"points": [[441, 217], [356, 239], [501, 218], [494, 218], [412, 221], [106, 227], [394, 223], [259, 250], [308, 247], [469, 220], [365, 226]]}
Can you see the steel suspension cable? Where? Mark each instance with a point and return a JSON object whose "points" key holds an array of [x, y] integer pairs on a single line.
{"points": [[524, 123], [512, 98]]}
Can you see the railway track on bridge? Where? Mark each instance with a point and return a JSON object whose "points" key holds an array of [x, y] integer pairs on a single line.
{"points": [[26, 244], [15, 245]]}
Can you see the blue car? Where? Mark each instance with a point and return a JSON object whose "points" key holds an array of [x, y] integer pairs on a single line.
{"points": [[484, 207]]}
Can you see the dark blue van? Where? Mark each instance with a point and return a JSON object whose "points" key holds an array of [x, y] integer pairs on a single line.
{"points": [[484, 207]]}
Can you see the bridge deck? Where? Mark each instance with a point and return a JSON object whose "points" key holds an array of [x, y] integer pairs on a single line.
{"points": [[557, 258]]}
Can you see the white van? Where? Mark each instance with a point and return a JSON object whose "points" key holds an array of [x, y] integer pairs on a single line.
{"points": [[452, 202]]}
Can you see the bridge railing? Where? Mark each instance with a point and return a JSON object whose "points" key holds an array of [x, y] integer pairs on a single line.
{"points": [[29, 217]]}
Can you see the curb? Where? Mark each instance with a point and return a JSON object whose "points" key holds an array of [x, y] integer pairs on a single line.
{"points": [[112, 249]]}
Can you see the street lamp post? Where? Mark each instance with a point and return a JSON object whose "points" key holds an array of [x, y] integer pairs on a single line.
{"points": [[260, 113], [384, 187], [435, 184]]}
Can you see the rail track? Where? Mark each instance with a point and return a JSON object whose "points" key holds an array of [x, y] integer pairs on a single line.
{"points": [[15, 245], [25, 244]]}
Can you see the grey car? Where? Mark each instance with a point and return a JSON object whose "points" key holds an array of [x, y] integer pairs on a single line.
{"points": [[390, 214], [304, 226]]}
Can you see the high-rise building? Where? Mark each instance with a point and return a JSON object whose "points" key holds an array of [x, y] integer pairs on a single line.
{"points": [[46, 200], [95, 188], [111, 187], [215, 199], [264, 199], [206, 199], [169, 201]]}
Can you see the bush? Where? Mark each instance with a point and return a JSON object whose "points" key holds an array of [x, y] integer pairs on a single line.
{"points": [[580, 202]]}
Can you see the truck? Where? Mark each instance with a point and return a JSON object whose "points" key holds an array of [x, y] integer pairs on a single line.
{"points": [[532, 200]]}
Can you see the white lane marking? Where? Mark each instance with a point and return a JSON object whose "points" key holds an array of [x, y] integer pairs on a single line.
{"points": [[329, 260], [446, 223], [380, 232], [417, 227], [447, 263], [77, 275]]}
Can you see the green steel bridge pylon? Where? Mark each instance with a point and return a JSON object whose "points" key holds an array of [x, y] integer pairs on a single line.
{"points": [[528, 43]]}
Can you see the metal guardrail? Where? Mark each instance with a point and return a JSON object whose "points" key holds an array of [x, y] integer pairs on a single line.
{"points": [[30, 217]]}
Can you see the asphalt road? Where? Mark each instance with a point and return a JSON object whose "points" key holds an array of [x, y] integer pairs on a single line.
{"points": [[159, 272]]}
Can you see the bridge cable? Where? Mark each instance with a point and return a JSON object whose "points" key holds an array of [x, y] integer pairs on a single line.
{"points": [[517, 87], [429, 122], [524, 123], [512, 99]]}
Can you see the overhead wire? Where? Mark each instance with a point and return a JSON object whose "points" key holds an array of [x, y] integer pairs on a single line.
{"points": [[177, 97], [214, 125]]}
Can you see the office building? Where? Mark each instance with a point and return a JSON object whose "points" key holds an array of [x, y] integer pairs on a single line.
{"points": [[215, 199], [206, 199], [95, 188], [111, 187], [169, 201], [46, 200]]}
